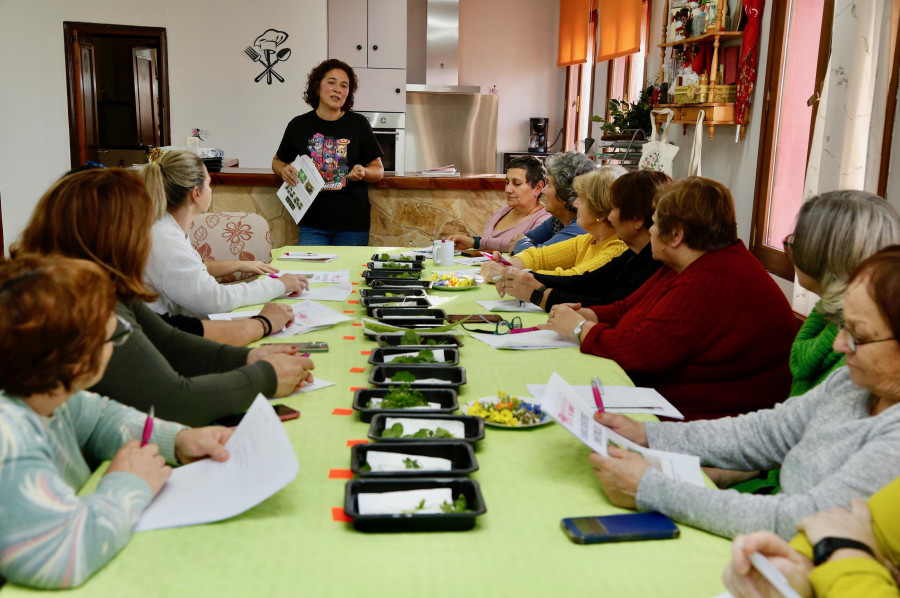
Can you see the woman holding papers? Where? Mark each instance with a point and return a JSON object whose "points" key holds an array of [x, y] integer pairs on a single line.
{"points": [[584, 252], [838, 441], [631, 198], [179, 185], [343, 147], [105, 216], [58, 327], [710, 330], [837, 553]]}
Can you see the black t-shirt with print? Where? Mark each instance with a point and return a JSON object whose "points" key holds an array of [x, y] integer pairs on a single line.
{"points": [[335, 146]]}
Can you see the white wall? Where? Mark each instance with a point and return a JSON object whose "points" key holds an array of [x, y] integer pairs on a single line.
{"points": [[513, 44], [210, 78]]}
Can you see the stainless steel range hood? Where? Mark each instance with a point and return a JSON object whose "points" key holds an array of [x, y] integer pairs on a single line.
{"points": [[439, 72]]}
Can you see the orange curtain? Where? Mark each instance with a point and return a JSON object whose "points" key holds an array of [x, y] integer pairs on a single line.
{"points": [[574, 21], [620, 28]]}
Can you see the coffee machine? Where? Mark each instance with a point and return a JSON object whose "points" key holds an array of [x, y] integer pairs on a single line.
{"points": [[538, 140]]}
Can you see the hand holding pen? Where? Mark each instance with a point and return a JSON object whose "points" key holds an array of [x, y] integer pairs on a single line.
{"points": [[597, 389], [148, 428]]}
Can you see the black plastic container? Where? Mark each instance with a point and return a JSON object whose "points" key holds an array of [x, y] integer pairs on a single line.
{"points": [[396, 340], [392, 274], [383, 292], [474, 427], [410, 522], [402, 302], [451, 355], [410, 316], [452, 376], [387, 283], [387, 265], [445, 397], [396, 257], [460, 454]]}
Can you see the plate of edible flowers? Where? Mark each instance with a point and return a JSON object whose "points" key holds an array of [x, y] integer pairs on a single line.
{"points": [[507, 411], [456, 281]]}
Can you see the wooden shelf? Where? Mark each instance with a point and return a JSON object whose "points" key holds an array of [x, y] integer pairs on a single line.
{"points": [[715, 114], [722, 35]]}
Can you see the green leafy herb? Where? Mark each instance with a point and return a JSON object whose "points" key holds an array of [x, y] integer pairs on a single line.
{"points": [[423, 356], [415, 275], [403, 376], [365, 467], [457, 507], [426, 433], [403, 397], [397, 265], [395, 431], [411, 463]]}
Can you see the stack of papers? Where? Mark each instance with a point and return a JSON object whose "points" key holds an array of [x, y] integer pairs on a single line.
{"points": [[537, 339], [620, 399], [262, 462], [306, 256], [563, 404], [439, 171], [308, 315], [471, 261], [334, 276], [509, 305]]}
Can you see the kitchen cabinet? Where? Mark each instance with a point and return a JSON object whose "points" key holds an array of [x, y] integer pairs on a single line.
{"points": [[380, 90], [368, 33]]}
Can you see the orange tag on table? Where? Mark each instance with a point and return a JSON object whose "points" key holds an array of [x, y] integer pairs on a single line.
{"points": [[349, 338], [357, 370], [337, 514], [339, 474], [340, 411], [355, 442]]}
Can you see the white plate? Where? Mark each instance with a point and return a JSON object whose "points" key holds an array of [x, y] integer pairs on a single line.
{"points": [[545, 419], [479, 280]]}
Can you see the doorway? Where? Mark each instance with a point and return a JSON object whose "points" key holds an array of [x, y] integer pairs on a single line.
{"points": [[118, 92]]}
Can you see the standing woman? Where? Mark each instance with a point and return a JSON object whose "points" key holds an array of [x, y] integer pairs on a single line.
{"points": [[178, 183], [344, 149]]}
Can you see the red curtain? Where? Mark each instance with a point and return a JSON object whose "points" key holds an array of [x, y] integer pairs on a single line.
{"points": [[620, 28]]}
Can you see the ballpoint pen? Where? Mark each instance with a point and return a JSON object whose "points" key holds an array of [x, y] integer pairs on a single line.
{"points": [[597, 388], [148, 428], [499, 260], [305, 355]]}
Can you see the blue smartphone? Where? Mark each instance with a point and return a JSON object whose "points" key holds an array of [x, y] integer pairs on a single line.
{"points": [[626, 527]]}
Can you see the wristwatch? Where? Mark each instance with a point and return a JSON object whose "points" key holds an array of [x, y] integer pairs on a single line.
{"points": [[826, 546], [577, 330], [537, 295]]}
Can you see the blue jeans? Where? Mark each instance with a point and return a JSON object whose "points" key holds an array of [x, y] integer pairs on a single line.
{"points": [[323, 236]]}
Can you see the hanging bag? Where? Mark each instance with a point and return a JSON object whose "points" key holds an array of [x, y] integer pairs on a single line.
{"points": [[694, 166], [658, 154]]}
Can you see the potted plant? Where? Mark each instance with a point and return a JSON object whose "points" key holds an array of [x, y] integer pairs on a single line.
{"points": [[626, 117]]}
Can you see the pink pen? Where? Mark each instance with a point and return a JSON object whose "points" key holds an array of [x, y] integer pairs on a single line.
{"points": [[518, 330], [148, 428], [499, 260], [597, 387], [274, 276], [305, 355]]}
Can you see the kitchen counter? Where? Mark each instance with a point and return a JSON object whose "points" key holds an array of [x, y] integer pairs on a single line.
{"points": [[405, 209]]}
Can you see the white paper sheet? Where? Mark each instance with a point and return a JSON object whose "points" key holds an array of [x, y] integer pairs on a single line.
{"points": [[562, 404], [404, 501], [317, 384], [471, 261], [537, 339], [411, 426], [621, 399], [438, 355], [299, 198], [376, 403], [332, 292], [330, 276], [262, 462], [306, 256], [509, 305], [385, 461], [308, 315]]}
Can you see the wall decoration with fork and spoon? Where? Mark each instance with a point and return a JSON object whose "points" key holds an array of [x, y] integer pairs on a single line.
{"points": [[262, 51]]}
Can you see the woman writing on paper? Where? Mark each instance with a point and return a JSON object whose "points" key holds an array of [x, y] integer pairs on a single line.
{"points": [[179, 185], [58, 327], [839, 441], [105, 216], [343, 147]]}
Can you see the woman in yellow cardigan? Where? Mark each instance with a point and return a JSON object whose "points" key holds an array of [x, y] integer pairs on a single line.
{"points": [[582, 253]]}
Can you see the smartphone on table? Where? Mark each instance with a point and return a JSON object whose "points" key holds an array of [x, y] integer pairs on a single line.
{"points": [[283, 412], [625, 527], [313, 347]]}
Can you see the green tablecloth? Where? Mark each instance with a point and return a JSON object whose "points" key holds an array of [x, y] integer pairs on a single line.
{"points": [[530, 479]]}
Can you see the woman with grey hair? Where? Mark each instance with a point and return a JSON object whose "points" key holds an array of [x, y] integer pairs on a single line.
{"points": [[559, 199], [835, 232]]}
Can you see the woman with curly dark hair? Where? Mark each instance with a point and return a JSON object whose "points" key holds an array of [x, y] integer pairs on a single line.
{"points": [[343, 147]]}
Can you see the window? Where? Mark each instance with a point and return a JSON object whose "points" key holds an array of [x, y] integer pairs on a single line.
{"points": [[625, 79]]}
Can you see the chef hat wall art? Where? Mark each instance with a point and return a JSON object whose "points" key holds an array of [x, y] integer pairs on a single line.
{"points": [[267, 51]]}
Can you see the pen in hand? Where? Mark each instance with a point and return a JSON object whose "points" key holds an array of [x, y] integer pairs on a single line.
{"points": [[597, 388], [148, 428], [499, 260]]}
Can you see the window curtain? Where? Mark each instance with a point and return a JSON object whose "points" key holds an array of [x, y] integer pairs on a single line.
{"points": [[847, 134], [574, 24], [620, 28]]}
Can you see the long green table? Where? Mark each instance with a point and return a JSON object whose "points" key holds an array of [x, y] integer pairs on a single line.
{"points": [[290, 545]]}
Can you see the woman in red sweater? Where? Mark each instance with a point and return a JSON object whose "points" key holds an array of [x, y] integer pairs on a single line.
{"points": [[710, 330]]}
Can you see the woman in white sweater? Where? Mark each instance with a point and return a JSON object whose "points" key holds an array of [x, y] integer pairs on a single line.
{"points": [[179, 184]]}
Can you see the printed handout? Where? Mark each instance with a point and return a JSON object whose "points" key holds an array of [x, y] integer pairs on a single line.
{"points": [[308, 315], [298, 198], [536, 339], [509, 305], [621, 399]]}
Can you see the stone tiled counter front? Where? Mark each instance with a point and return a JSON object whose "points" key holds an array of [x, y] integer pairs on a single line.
{"points": [[404, 209]]}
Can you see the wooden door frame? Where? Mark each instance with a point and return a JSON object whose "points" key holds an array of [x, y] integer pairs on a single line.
{"points": [[891, 108], [71, 29]]}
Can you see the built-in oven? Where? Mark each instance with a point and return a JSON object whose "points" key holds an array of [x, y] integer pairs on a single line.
{"points": [[390, 131]]}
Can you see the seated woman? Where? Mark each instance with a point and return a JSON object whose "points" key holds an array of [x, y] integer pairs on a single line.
{"points": [[57, 331], [631, 197], [179, 184], [835, 232], [838, 441], [559, 200], [584, 252], [525, 180], [105, 216], [820, 561], [711, 330]]}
